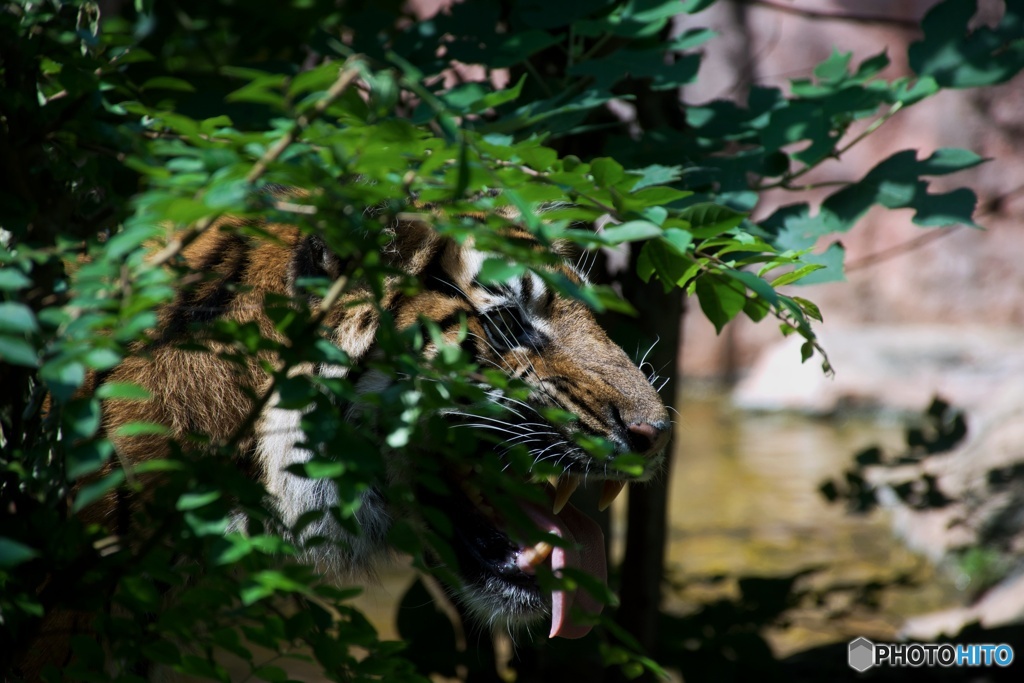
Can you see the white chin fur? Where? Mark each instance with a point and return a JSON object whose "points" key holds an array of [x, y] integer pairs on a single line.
{"points": [[496, 603], [278, 433], [501, 606]]}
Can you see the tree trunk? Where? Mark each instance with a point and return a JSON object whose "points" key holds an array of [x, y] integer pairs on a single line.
{"points": [[643, 563]]}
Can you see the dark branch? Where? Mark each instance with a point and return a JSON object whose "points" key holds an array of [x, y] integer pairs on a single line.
{"points": [[819, 15]]}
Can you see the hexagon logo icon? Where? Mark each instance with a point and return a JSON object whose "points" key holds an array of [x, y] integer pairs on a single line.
{"points": [[861, 654]]}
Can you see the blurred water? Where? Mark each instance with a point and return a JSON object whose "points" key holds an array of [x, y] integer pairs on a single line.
{"points": [[745, 502]]}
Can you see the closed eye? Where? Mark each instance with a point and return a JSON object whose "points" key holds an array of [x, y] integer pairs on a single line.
{"points": [[507, 329]]}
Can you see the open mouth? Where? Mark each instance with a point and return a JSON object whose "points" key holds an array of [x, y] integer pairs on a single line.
{"points": [[499, 568]]}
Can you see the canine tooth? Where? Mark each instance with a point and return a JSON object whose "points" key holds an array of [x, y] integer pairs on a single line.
{"points": [[536, 555], [611, 491], [566, 486]]}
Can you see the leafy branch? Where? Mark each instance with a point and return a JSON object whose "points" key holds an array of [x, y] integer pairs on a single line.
{"points": [[349, 71]]}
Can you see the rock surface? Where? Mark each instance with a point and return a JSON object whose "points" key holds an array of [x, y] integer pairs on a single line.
{"points": [[899, 370], [984, 480], [888, 368]]}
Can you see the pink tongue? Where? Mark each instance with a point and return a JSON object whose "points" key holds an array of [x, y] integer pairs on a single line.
{"points": [[585, 552]]}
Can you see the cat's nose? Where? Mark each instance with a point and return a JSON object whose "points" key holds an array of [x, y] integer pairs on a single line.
{"points": [[646, 438]]}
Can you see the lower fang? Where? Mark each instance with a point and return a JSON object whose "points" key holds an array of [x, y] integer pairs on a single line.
{"points": [[533, 557]]}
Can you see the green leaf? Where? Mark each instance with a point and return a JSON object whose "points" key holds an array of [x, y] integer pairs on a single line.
{"points": [[958, 54], [17, 351], [548, 15], [655, 214], [539, 158], [656, 196], [896, 183], [909, 92], [13, 553], [710, 220], [756, 309], [93, 491], [694, 6], [691, 38], [199, 667], [806, 351], [795, 274], [16, 318], [609, 300], [872, 66], [63, 376], [196, 499], [756, 284], [720, 299], [462, 179], [324, 469], [829, 266], [141, 591], [656, 174], [267, 583], [631, 231], [606, 171], [85, 458], [101, 359], [12, 280], [948, 160], [496, 270], [162, 652], [81, 418], [142, 429], [809, 308], [201, 525], [462, 97], [835, 68], [679, 240], [629, 463], [496, 99], [125, 391], [264, 89], [657, 257], [168, 83], [650, 64]]}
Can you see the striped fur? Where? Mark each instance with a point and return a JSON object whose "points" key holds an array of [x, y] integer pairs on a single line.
{"points": [[551, 342]]}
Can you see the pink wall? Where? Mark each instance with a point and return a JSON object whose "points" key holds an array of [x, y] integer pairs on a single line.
{"points": [[964, 276]]}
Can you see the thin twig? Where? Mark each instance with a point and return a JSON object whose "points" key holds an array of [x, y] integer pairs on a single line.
{"points": [[875, 125], [349, 72], [901, 248], [785, 181]]}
